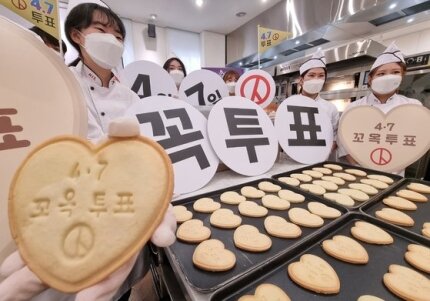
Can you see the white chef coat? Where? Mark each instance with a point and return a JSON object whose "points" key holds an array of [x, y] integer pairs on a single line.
{"points": [[103, 103], [331, 111]]}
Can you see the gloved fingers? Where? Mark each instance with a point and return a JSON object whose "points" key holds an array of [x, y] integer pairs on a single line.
{"points": [[124, 127], [11, 264], [22, 285]]}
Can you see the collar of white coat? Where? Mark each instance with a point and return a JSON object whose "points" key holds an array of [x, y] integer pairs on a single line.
{"points": [[374, 100], [92, 76]]}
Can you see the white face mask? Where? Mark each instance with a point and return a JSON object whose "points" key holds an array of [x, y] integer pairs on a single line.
{"points": [[231, 86], [177, 76], [386, 84], [104, 49], [313, 86]]}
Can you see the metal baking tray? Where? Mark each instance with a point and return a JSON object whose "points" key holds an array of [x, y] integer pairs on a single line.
{"points": [[355, 280], [202, 281], [420, 216], [356, 205]]}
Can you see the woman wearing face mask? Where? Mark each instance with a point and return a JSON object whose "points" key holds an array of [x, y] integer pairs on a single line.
{"points": [[384, 79], [313, 74], [176, 68], [230, 78]]}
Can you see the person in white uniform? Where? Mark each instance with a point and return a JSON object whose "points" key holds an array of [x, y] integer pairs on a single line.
{"points": [[97, 33], [313, 74], [384, 79]]}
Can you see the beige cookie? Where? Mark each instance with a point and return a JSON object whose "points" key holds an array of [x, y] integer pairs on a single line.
{"points": [[232, 198], [346, 249], [339, 198], [333, 167], [211, 255], [367, 189], [182, 214], [279, 227], [355, 194], [371, 234], [419, 257], [268, 186], [375, 183], [407, 283], [206, 205], [193, 231], [291, 196], [252, 209], [345, 176], [248, 238], [381, 178], [225, 218], [322, 210], [315, 274], [266, 292], [336, 180], [252, 192], [356, 172], [313, 173], [412, 195], [426, 230], [303, 217], [369, 298], [290, 181], [418, 187], [399, 203], [301, 177], [323, 170], [274, 202], [312, 188], [327, 185]]}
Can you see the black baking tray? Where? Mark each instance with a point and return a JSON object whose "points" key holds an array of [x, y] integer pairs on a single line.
{"points": [[355, 280], [245, 261], [420, 216], [356, 205]]}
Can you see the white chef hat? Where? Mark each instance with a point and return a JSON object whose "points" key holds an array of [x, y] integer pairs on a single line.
{"points": [[316, 61], [391, 55], [73, 3]]}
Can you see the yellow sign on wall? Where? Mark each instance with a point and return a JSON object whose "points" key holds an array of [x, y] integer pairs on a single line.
{"points": [[42, 13], [268, 38]]}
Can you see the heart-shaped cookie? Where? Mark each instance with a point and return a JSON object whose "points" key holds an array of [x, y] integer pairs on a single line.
{"points": [[277, 226], [371, 234], [274, 202], [323, 210], [266, 292], [291, 196], [401, 140], [182, 214], [71, 201], [193, 231], [419, 257], [395, 216], [211, 255], [252, 209], [407, 283], [302, 217], [232, 198], [225, 218], [346, 249], [315, 274], [248, 238], [399, 203], [206, 205], [268, 186], [252, 192]]}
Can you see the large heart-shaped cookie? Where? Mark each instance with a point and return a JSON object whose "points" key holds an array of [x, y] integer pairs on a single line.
{"points": [[266, 292], [385, 142], [248, 238], [211, 255], [193, 231], [346, 249], [78, 212], [225, 218], [315, 274]]}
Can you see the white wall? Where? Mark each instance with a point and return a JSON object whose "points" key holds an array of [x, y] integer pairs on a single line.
{"points": [[212, 47], [184, 45]]}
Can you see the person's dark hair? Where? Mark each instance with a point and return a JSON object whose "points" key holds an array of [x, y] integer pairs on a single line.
{"points": [[48, 39], [167, 64], [230, 73], [81, 17]]}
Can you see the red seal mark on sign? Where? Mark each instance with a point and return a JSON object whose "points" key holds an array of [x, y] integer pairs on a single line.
{"points": [[381, 156], [19, 4], [275, 36], [257, 81]]}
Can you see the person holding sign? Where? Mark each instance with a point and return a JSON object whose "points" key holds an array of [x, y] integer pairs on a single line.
{"points": [[313, 74], [50, 41], [385, 77], [176, 69], [230, 78]]}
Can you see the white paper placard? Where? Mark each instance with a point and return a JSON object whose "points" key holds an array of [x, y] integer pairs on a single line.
{"points": [[243, 136], [256, 85], [304, 131], [182, 130], [202, 88]]}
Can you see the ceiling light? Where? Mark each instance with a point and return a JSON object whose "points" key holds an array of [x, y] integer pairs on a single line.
{"points": [[153, 16], [275, 57], [392, 6], [410, 20], [297, 42], [240, 64], [264, 1], [199, 3], [319, 48], [241, 14]]}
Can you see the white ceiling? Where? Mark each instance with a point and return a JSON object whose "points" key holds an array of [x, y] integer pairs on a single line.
{"points": [[214, 15]]}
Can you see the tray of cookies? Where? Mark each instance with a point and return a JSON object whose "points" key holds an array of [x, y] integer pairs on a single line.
{"points": [[347, 185], [227, 233], [357, 258], [406, 206]]}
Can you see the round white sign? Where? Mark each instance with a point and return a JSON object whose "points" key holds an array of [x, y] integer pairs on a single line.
{"points": [[243, 136], [148, 79], [256, 85], [182, 131], [304, 130], [202, 88]]}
